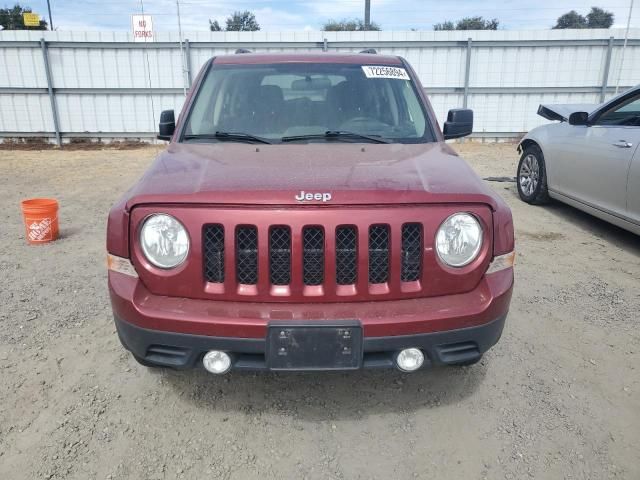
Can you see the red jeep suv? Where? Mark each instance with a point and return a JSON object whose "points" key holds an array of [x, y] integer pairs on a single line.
{"points": [[308, 215]]}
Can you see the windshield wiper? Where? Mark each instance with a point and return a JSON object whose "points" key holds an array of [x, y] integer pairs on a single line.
{"points": [[336, 134], [233, 136]]}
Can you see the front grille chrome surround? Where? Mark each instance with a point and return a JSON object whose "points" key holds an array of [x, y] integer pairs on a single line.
{"points": [[314, 254]]}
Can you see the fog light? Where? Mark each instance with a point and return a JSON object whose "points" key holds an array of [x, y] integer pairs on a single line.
{"points": [[410, 359], [216, 362]]}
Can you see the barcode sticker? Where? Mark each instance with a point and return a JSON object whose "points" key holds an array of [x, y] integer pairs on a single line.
{"points": [[372, 71]]}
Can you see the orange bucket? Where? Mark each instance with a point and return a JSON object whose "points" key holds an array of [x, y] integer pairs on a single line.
{"points": [[40, 219]]}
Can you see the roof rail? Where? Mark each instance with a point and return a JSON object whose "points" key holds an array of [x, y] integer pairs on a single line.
{"points": [[369, 50], [243, 50]]}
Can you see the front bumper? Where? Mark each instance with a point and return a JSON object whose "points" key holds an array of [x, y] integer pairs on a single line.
{"points": [[176, 332], [182, 350]]}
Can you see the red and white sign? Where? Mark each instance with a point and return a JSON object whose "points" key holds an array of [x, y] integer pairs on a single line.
{"points": [[40, 231], [142, 28]]}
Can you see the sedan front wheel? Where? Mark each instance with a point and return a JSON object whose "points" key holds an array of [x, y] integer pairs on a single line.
{"points": [[532, 176]]}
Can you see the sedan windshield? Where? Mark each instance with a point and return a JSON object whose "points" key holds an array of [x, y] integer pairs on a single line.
{"points": [[307, 102]]}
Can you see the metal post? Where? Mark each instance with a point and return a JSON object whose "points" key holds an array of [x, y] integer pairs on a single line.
{"points": [[467, 71], [367, 14], [605, 74], [50, 17], [325, 46], [187, 54], [52, 98]]}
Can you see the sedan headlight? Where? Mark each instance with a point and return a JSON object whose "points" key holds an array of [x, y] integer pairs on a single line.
{"points": [[459, 240], [164, 241]]}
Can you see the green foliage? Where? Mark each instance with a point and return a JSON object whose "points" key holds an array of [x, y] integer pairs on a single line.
{"points": [[242, 22], [11, 18], [571, 19], [599, 18], [468, 23], [352, 25], [596, 18], [446, 25], [214, 26]]}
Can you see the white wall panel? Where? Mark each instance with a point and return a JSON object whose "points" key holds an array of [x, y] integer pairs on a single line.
{"points": [[110, 61]]}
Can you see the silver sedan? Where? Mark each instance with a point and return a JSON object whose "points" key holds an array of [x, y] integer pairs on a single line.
{"points": [[589, 159]]}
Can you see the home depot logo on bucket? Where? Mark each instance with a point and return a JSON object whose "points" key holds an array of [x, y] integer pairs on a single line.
{"points": [[40, 219], [41, 231]]}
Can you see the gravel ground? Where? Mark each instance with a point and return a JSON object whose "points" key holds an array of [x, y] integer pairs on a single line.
{"points": [[558, 397]]}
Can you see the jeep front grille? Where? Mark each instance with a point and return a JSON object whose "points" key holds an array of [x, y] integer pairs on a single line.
{"points": [[378, 253], [314, 260], [280, 255], [313, 256], [247, 255], [411, 252], [346, 255], [213, 253]]}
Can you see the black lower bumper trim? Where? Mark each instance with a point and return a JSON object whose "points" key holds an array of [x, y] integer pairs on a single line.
{"points": [[182, 351]]}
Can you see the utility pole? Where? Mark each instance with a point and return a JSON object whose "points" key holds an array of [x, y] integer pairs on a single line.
{"points": [[50, 18], [624, 46], [367, 14], [185, 81]]}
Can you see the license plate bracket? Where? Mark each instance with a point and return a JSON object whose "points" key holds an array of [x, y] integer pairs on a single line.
{"points": [[314, 346]]}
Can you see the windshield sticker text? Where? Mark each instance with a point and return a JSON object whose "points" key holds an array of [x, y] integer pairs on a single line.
{"points": [[385, 72]]}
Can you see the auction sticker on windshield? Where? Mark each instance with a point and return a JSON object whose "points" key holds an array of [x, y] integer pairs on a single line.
{"points": [[372, 71]]}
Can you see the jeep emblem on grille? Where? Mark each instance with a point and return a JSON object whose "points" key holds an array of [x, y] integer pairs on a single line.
{"points": [[323, 197]]}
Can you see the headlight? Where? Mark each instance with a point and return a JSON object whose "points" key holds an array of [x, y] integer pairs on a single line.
{"points": [[459, 240], [164, 241]]}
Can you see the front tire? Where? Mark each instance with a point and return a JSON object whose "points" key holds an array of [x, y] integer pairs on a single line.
{"points": [[532, 177]]}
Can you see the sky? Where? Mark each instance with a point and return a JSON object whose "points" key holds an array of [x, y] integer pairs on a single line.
{"points": [[278, 15]]}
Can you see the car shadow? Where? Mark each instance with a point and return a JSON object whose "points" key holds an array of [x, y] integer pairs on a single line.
{"points": [[327, 395], [601, 229]]}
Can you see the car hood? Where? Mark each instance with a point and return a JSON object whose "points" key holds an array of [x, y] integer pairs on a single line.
{"points": [[561, 112], [353, 174]]}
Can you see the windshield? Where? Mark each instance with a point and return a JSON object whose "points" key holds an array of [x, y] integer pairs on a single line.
{"points": [[307, 102]]}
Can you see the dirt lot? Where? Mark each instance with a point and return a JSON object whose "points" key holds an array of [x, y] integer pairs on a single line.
{"points": [[559, 397]]}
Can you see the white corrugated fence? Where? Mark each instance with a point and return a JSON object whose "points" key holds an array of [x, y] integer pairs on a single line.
{"points": [[62, 85]]}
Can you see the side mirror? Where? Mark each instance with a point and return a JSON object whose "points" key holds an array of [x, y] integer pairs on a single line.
{"points": [[167, 125], [579, 118], [459, 123]]}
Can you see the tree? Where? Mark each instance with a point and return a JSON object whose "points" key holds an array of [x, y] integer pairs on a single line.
{"points": [[214, 26], [11, 19], [242, 22], [446, 25], [596, 18], [353, 25], [469, 23], [571, 19], [599, 18]]}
